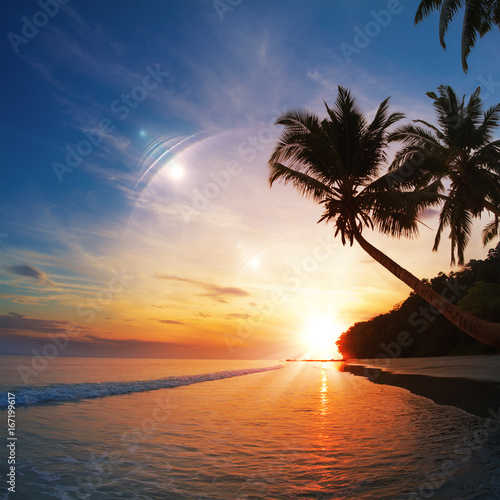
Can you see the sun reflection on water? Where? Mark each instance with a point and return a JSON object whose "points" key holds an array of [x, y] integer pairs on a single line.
{"points": [[324, 408], [324, 390]]}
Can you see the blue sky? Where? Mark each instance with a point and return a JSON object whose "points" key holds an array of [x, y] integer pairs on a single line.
{"points": [[217, 75]]}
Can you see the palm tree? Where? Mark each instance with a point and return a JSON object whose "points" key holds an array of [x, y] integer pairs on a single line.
{"points": [[480, 16], [337, 162], [462, 152]]}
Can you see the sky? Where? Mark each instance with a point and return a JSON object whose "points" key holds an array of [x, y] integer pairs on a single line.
{"points": [[136, 214]]}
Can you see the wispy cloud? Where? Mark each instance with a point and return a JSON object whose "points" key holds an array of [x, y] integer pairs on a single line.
{"points": [[28, 271], [170, 322], [203, 315], [216, 292], [18, 323], [91, 345], [237, 316], [23, 299]]}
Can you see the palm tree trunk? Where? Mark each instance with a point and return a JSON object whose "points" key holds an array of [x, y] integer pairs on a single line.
{"points": [[485, 331]]}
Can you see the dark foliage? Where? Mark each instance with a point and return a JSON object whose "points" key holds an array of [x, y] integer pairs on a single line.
{"points": [[476, 289]]}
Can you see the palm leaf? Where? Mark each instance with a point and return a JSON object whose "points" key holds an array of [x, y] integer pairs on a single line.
{"points": [[490, 231], [448, 10], [425, 8], [306, 185]]}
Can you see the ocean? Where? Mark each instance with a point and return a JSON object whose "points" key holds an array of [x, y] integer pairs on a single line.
{"points": [[142, 429]]}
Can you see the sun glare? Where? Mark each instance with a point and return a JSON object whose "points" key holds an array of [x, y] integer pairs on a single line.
{"points": [[320, 335], [175, 171]]}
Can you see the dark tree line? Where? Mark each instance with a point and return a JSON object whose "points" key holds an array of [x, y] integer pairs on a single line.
{"points": [[476, 289]]}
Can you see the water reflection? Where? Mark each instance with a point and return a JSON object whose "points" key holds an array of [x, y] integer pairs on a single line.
{"points": [[324, 390], [324, 407]]}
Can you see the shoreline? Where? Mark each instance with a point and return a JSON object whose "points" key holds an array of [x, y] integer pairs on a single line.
{"points": [[477, 397]]}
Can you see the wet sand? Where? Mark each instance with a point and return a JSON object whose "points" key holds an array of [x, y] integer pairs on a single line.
{"points": [[476, 396]]}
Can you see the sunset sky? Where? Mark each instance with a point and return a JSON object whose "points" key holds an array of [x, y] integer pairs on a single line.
{"points": [[136, 212]]}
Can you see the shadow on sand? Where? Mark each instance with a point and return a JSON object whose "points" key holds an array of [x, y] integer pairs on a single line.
{"points": [[477, 397]]}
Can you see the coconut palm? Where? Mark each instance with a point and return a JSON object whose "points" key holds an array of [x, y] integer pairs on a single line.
{"points": [[337, 162], [480, 16], [461, 150]]}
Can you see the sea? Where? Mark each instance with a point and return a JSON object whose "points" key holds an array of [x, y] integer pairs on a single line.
{"points": [[145, 429]]}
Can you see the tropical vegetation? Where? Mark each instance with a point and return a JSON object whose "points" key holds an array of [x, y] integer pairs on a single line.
{"points": [[461, 153], [480, 17], [337, 162], [476, 289]]}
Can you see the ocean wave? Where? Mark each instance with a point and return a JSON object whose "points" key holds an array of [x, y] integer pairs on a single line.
{"points": [[72, 392]]}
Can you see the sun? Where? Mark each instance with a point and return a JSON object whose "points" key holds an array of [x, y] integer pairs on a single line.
{"points": [[175, 171], [320, 334]]}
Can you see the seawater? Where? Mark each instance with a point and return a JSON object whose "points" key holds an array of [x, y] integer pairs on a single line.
{"points": [[171, 429]]}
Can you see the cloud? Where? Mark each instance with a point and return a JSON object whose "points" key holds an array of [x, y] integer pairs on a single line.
{"points": [[170, 322], [237, 316], [28, 271], [17, 315], [92, 345], [18, 323], [23, 299], [212, 290]]}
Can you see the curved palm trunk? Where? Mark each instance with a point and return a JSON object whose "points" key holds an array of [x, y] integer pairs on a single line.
{"points": [[486, 332]]}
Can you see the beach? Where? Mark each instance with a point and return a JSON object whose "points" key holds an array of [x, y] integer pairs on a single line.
{"points": [[470, 383]]}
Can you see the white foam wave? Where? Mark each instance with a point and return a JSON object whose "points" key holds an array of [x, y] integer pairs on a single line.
{"points": [[72, 392]]}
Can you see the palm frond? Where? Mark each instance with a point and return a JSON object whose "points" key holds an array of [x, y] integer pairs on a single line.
{"points": [[488, 155], [491, 120], [412, 134], [396, 212], [455, 215], [306, 185], [438, 134], [490, 231], [425, 8], [448, 11], [301, 121], [306, 146], [477, 21], [474, 109]]}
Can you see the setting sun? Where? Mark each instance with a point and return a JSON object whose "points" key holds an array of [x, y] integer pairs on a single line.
{"points": [[320, 335]]}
